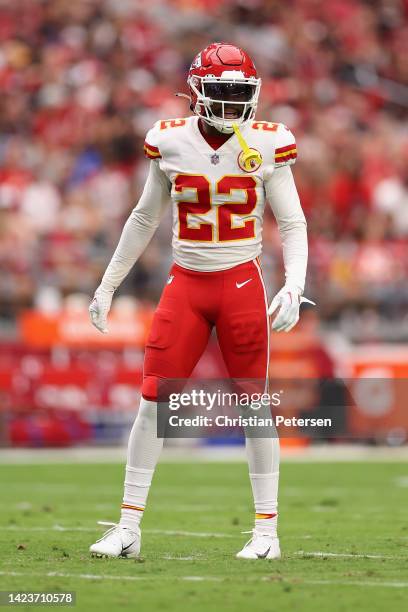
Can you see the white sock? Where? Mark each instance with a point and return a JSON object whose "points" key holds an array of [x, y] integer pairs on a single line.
{"points": [[263, 463], [144, 449]]}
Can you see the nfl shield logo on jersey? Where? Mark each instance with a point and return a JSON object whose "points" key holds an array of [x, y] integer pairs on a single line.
{"points": [[215, 159]]}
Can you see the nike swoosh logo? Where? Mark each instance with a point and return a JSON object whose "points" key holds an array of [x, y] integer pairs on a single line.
{"points": [[124, 548], [264, 555], [239, 285]]}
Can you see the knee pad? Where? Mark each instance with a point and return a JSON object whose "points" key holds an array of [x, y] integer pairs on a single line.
{"points": [[149, 388], [153, 391]]}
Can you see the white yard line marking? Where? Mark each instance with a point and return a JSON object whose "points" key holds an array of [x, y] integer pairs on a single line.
{"points": [[363, 583], [50, 528], [319, 553], [324, 453], [202, 578], [193, 534], [69, 575], [23, 505], [401, 481], [202, 534]]}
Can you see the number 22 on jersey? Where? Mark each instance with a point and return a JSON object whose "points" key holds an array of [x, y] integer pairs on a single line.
{"points": [[225, 232]]}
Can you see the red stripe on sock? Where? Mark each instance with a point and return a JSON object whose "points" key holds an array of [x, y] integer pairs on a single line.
{"points": [[129, 507], [259, 515]]}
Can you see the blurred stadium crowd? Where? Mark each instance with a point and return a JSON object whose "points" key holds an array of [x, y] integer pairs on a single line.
{"points": [[83, 80]]}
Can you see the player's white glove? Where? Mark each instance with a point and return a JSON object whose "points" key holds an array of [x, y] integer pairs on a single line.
{"points": [[289, 299], [99, 309]]}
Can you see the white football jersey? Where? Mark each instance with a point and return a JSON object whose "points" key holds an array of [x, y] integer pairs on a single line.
{"points": [[218, 202]]}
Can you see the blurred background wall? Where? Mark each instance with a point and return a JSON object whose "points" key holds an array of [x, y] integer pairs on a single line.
{"points": [[81, 83]]}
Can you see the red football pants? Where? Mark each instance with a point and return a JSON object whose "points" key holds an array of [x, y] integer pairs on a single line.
{"points": [[192, 303]]}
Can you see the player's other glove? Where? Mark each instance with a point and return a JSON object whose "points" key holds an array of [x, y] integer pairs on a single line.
{"points": [[99, 309], [289, 299]]}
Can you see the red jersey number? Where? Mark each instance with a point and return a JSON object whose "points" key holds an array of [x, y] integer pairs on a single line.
{"points": [[201, 205], [229, 227]]}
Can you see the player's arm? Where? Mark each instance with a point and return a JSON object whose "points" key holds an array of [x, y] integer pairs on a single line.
{"points": [[285, 203], [284, 200], [136, 235]]}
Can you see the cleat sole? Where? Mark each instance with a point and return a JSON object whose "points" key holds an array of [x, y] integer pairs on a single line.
{"points": [[95, 555]]}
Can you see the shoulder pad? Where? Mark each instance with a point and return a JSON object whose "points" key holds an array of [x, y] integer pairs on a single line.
{"points": [[277, 141], [159, 134], [285, 147], [151, 148]]}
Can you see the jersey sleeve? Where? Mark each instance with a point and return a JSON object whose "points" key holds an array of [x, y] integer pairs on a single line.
{"points": [[285, 150], [151, 144], [139, 228], [284, 200]]}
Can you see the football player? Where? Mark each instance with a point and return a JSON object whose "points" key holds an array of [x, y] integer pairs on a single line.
{"points": [[218, 168]]}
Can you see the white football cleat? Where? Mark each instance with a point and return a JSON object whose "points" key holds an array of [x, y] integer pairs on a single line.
{"points": [[117, 542], [260, 546]]}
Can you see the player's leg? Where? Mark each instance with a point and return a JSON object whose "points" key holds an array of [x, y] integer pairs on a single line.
{"points": [[243, 333], [177, 339]]}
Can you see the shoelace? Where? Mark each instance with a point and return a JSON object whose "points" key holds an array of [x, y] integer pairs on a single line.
{"points": [[113, 526], [108, 523], [255, 534], [250, 540]]}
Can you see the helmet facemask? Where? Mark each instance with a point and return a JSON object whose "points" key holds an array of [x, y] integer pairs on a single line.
{"points": [[223, 101]]}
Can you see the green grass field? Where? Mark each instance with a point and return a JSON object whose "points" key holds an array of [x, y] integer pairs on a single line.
{"points": [[343, 530]]}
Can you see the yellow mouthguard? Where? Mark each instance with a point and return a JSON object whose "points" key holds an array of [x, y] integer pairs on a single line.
{"points": [[248, 153]]}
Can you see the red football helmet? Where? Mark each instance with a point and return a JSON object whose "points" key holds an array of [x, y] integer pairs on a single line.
{"points": [[224, 86]]}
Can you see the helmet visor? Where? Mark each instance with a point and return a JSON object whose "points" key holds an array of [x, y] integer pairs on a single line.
{"points": [[229, 91]]}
